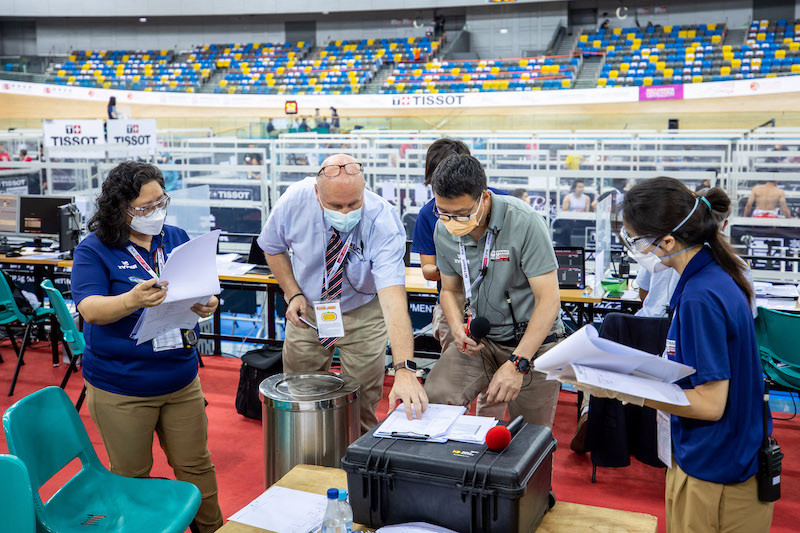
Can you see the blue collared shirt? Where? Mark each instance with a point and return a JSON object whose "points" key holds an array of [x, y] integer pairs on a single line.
{"points": [[375, 258]]}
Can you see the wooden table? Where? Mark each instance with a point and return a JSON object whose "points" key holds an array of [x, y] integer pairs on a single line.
{"points": [[563, 518]]}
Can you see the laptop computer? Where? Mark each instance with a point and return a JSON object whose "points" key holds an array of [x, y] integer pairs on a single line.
{"points": [[257, 258], [571, 267]]}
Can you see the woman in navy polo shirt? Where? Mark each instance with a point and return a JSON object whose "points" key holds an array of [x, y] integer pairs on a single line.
{"points": [[711, 485], [134, 391]]}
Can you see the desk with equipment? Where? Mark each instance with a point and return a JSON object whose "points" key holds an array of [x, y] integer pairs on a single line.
{"points": [[563, 518]]}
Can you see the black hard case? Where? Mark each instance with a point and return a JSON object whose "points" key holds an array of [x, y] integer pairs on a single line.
{"points": [[463, 487]]}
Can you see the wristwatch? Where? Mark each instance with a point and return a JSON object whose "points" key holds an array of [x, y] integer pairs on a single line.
{"points": [[522, 364], [408, 365]]}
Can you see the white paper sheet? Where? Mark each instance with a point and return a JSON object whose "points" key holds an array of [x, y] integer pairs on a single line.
{"points": [[779, 304], [435, 422], [227, 258], [234, 269], [421, 194], [586, 348], [414, 527], [632, 385], [387, 191], [191, 270], [284, 510], [470, 429]]}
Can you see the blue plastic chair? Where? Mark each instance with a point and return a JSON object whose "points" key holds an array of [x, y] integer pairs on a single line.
{"points": [[16, 497], [46, 433], [11, 313]]}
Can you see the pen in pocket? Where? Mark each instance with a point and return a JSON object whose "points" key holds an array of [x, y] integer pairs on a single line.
{"points": [[140, 280]]}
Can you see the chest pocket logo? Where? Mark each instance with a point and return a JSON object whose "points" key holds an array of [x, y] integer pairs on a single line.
{"points": [[126, 265]]}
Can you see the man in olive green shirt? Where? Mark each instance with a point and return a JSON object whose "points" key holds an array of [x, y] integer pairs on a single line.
{"points": [[495, 255]]}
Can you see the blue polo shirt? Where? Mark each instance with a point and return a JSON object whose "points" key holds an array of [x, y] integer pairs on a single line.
{"points": [[713, 332], [112, 361]]}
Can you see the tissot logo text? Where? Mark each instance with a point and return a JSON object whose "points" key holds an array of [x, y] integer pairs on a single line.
{"points": [[428, 100], [74, 130]]}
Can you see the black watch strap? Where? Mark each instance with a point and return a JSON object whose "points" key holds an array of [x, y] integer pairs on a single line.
{"points": [[520, 363]]}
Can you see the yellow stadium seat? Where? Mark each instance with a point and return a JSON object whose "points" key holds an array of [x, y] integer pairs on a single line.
{"points": [[636, 46], [223, 83], [270, 83], [661, 65], [646, 52], [583, 38], [691, 34], [761, 36], [736, 63], [195, 66], [148, 89], [173, 83], [146, 57], [280, 70], [653, 59], [727, 48], [780, 54], [772, 75], [312, 81], [307, 69], [417, 72], [401, 86], [795, 68], [667, 29], [716, 39], [648, 80], [794, 47], [62, 72], [71, 79], [668, 72], [613, 74], [338, 43], [624, 67], [323, 75], [610, 48], [601, 82], [73, 57], [660, 46], [697, 78], [617, 31], [725, 71], [392, 46], [564, 83], [466, 77], [727, 56], [456, 71], [190, 89], [411, 40], [523, 62], [301, 44], [107, 85], [681, 34], [597, 44], [370, 42], [712, 26], [495, 70], [755, 61], [631, 36], [231, 90], [398, 58]]}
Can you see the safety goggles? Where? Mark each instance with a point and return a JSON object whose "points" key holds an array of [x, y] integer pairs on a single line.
{"points": [[162, 203], [635, 244]]}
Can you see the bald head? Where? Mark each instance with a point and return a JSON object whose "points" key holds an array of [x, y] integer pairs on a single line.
{"points": [[344, 192]]}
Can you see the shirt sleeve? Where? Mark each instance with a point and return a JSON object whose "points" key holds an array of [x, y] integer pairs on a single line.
{"points": [[89, 276], [423, 233], [273, 236], [537, 254], [702, 341], [389, 250], [643, 279]]}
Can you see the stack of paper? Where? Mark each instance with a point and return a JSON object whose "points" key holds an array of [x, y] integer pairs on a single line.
{"points": [[776, 291], [191, 271], [439, 423], [603, 363], [284, 510]]}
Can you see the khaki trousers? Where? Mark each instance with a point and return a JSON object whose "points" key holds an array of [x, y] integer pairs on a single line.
{"points": [[458, 378], [697, 506], [126, 425], [362, 352]]}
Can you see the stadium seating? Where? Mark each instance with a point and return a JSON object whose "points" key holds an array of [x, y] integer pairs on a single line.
{"points": [[485, 75]]}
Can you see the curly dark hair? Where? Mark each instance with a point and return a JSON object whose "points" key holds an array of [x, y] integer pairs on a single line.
{"points": [[121, 187]]}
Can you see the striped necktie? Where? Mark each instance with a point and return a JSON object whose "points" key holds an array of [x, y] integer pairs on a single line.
{"points": [[334, 290]]}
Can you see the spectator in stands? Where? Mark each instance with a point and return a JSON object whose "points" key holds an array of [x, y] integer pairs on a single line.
{"points": [[604, 25], [423, 244], [23, 155], [303, 125], [365, 243], [135, 390], [334, 119], [520, 274], [171, 177], [576, 200], [438, 26], [270, 128], [4, 155], [768, 198], [573, 161], [112, 108], [254, 159], [522, 194], [716, 438]]}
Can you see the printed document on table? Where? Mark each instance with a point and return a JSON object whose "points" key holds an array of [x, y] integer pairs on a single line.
{"points": [[191, 270], [586, 348], [284, 510], [435, 422], [632, 385]]}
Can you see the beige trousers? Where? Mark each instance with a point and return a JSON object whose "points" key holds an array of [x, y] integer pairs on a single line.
{"points": [[126, 425], [458, 378], [697, 506], [362, 352]]}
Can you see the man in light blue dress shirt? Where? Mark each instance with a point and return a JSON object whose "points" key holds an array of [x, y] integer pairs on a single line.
{"points": [[335, 207]]}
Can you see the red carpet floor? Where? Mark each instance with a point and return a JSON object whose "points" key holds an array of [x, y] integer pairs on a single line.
{"points": [[236, 447]]}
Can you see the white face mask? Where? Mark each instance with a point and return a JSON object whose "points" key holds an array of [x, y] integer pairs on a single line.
{"points": [[150, 224], [649, 261]]}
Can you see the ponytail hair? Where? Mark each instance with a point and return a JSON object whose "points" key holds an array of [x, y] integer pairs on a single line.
{"points": [[653, 207]]}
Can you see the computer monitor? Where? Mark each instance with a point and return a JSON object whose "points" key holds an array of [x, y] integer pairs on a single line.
{"points": [[571, 267], [8, 213], [256, 256], [38, 214]]}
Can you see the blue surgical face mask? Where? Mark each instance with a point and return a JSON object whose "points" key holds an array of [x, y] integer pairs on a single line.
{"points": [[343, 222]]}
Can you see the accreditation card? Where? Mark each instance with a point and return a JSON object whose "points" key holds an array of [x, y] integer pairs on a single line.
{"points": [[329, 318]]}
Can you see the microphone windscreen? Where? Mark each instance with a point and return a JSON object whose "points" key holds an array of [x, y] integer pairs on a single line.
{"points": [[479, 327], [498, 438]]}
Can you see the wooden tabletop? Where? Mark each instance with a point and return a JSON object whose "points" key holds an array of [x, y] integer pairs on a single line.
{"points": [[563, 518]]}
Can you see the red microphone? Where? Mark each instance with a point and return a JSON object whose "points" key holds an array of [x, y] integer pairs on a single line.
{"points": [[466, 331], [498, 438]]}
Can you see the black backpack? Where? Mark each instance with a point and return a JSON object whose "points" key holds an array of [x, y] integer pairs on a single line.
{"points": [[23, 304], [257, 365]]}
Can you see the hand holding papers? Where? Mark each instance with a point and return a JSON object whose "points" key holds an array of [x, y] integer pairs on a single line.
{"points": [[597, 362], [191, 271], [439, 423]]}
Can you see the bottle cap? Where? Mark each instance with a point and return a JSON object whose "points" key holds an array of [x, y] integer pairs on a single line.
{"points": [[342, 495], [333, 494]]}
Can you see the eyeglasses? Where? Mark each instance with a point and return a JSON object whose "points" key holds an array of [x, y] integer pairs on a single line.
{"points": [[635, 244], [445, 217], [331, 171], [146, 210]]}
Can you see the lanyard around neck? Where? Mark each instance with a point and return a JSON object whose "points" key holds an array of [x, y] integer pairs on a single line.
{"points": [[340, 257], [470, 286], [142, 263]]}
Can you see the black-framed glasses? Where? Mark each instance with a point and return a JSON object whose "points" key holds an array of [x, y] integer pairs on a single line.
{"points": [[458, 218], [331, 171], [162, 203]]}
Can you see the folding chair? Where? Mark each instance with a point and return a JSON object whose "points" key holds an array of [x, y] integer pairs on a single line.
{"points": [[16, 497]]}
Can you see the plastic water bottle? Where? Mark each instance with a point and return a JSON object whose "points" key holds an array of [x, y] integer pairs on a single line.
{"points": [[347, 511], [333, 521]]}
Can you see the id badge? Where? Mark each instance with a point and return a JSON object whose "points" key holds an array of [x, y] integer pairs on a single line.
{"points": [[664, 433], [329, 318], [168, 341]]}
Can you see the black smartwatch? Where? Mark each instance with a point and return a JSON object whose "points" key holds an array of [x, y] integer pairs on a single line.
{"points": [[409, 365], [522, 365]]}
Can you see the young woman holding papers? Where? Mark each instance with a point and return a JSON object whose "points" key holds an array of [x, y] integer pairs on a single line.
{"points": [[715, 440], [135, 390]]}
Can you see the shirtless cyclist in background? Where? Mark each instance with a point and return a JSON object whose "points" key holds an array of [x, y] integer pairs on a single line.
{"points": [[767, 197]]}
